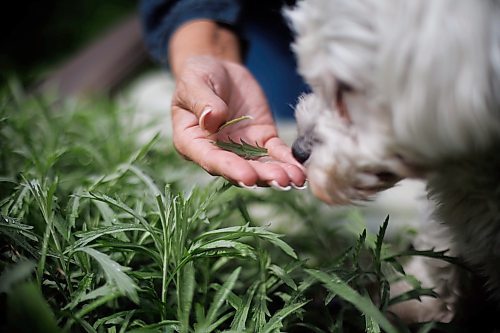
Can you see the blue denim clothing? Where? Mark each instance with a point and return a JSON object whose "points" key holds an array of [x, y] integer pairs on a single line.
{"points": [[261, 27], [161, 17]]}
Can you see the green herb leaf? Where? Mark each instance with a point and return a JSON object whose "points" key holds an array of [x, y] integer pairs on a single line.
{"points": [[234, 121], [115, 273], [333, 283], [243, 149]]}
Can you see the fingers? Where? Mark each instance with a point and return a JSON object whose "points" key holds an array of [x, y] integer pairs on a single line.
{"points": [[279, 169], [198, 111], [281, 152], [223, 163], [248, 173], [195, 90], [277, 174], [195, 95], [193, 143]]}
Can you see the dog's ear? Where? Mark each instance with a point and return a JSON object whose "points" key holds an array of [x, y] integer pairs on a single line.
{"points": [[441, 76], [334, 39]]}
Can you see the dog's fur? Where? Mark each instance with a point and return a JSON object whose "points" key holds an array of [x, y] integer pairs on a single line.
{"points": [[408, 89]]}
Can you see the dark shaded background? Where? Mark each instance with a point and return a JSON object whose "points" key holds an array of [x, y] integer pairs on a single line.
{"points": [[38, 35]]}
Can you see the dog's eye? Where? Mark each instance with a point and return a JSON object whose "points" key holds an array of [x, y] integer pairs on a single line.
{"points": [[342, 88]]}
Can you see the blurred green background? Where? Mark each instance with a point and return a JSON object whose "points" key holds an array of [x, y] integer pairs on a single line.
{"points": [[39, 35]]}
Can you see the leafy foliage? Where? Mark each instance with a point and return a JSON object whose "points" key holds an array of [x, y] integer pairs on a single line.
{"points": [[101, 234]]}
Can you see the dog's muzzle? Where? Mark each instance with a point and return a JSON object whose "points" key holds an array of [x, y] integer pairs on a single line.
{"points": [[301, 149]]}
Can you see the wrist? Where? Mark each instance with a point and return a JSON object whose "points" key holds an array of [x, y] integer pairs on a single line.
{"points": [[202, 38]]}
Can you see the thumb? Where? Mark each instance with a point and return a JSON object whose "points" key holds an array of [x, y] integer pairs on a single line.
{"points": [[199, 97]]}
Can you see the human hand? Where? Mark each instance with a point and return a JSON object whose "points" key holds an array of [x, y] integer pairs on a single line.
{"points": [[210, 92]]}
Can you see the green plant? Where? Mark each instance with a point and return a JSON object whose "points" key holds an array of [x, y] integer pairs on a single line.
{"points": [[243, 149], [102, 234]]}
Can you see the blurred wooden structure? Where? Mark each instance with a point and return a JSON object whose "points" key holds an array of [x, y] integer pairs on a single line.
{"points": [[101, 66]]}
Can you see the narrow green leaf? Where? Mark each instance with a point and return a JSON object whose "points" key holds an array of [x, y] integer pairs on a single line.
{"points": [[86, 309], [245, 231], [415, 293], [135, 249], [275, 323], [99, 292], [396, 265], [235, 121], [22, 196], [371, 325], [84, 285], [8, 223], [241, 315], [107, 214], [113, 318], [365, 305], [127, 209], [114, 273], [219, 321], [89, 236], [164, 325], [283, 275], [139, 154], [73, 206], [185, 291], [242, 249], [429, 254], [260, 310], [218, 300], [379, 243], [243, 149], [148, 181], [41, 198], [125, 322]]}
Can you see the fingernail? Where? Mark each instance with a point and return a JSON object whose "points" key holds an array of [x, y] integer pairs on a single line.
{"points": [[303, 187], [274, 184], [206, 111], [250, 187]]}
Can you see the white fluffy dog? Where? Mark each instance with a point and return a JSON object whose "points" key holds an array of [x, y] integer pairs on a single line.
{"points": [[408, 88]]}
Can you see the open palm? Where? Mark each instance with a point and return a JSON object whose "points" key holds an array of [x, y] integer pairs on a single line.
{"points": [[210, 92]]}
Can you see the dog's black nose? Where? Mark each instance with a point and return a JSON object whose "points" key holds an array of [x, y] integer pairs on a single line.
{"points": [[301, 150]]}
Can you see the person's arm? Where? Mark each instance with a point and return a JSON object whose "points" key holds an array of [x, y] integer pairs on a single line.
{"points": [[202, 38], [162, 18], [212, 87]]}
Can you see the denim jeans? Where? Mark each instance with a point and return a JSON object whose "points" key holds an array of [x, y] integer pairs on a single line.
{"points": [[269, 58]]}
